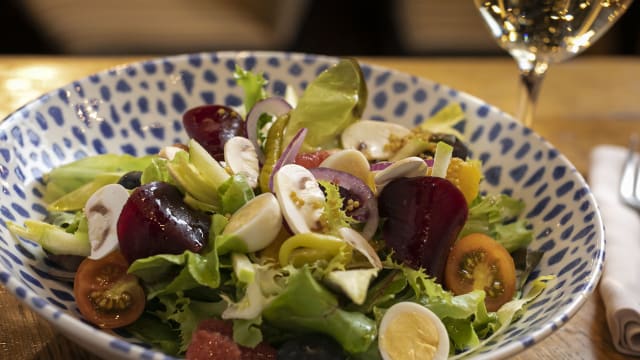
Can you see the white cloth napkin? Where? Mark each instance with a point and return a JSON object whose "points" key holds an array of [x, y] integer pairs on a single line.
{"points": [[620, 283]]}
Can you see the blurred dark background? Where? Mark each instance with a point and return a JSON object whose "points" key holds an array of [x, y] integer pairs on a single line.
{"points": [[335, 27]]}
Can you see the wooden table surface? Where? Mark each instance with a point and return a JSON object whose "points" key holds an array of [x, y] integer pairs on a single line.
{"points": [[584, 102]]}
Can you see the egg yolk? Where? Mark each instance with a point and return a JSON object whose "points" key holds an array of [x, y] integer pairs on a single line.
{"points": [[410, 335]]}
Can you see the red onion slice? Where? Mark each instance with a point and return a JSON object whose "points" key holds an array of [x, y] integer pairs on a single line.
{"points": [[275, 106], [368, 210], [288, 154], [380, 165]]}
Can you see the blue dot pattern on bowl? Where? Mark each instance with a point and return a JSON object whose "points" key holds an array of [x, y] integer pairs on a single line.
{"points": [[137, 109]]}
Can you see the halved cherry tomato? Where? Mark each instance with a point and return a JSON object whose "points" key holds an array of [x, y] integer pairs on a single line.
{"points": [[478, 262], [106, 295], [311, 160]]}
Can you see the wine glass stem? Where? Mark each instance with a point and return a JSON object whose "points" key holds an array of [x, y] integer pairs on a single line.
{"points": [[530, 83]]}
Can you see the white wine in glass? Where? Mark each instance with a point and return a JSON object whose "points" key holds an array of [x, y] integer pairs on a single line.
{"points": [[540, 32]]}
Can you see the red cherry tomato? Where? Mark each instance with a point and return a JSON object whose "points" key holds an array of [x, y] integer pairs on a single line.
{"points": [[479, 262], [105, 294], [311, 160]]}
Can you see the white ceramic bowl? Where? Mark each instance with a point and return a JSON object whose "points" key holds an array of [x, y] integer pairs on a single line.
{"points": [[137, 109]]}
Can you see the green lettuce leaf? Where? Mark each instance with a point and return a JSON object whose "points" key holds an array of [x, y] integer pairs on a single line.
{"points": [[169, 274], [67, 178], [156, 171], [156, 332], [306, 306], [384, 292], [246, 332], [514, 235], [331, 102], [76, 199], [458, 307], [234, 193], [494, 216], [462, 334]]}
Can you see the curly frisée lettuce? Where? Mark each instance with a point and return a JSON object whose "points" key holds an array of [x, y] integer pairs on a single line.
{"points": [[179, 313], [253, 85], [334, 216], [465, 317]]}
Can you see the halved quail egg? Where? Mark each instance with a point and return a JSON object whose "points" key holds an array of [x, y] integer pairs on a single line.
{"points": [[253, 227], [410, 331]]}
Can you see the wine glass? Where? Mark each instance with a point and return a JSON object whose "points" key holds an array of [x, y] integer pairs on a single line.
{"points": [[539, 32]]}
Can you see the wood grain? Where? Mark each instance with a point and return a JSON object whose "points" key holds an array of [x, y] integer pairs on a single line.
{"points": [[584, 102]]}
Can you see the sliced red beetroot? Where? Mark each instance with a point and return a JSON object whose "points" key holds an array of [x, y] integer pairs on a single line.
{"points": [[424, 216], [212, 125], [155, 220]]}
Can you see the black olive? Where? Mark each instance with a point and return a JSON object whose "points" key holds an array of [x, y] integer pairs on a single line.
{"points": [[460, 150], [311, 347], [130, 180]]}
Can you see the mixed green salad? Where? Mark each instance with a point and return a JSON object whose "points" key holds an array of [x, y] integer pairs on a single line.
{"points": [[289, 228]]}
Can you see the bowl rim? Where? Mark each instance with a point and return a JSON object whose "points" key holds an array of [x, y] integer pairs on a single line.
{"points": [[117, 347]]}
